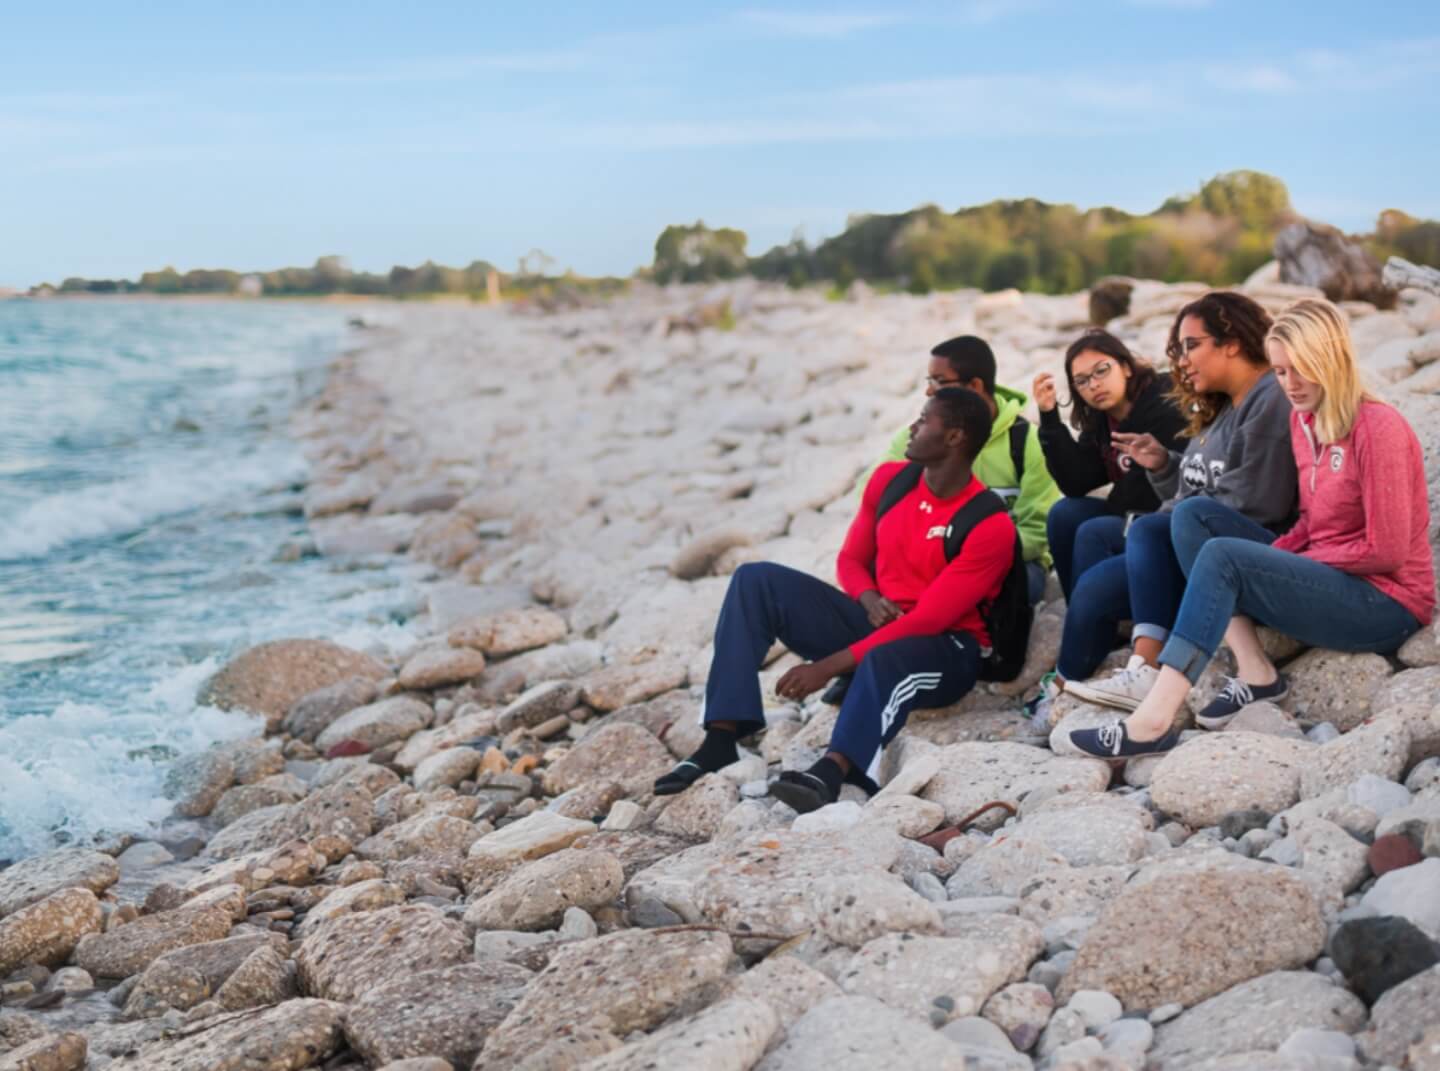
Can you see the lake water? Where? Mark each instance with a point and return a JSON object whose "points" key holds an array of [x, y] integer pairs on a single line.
{"points": [[147, 487]]}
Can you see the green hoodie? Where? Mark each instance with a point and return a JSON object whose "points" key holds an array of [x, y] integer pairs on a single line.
{"points": [[994, 468]]}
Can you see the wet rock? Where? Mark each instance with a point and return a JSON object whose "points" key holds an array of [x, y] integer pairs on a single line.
{"points": [[732, 1034], [436, 667], [184, 977], [860, 1031], [264, 978], [197, 782], [1400, 1017], [510, 631], [312, 713], [1259, 1014], [447, 1012], [268, 679], [52, 1052], [1206, 778], [1380, 747], [954, 975], [295, 1034], [853, 910], [972, 774], [377, 724], [616, 752], [128, 950], [1377, 954], [633, 978], [352, 899], [536, 896], [348, 956], [47, 932], [697, 812], [1187, 936], [619, 685]]}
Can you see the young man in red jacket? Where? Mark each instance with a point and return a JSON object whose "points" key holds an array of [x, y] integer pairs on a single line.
{"points": [[908, 622]]}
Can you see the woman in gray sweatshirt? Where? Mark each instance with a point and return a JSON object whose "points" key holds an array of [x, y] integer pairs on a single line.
{"points": [[1238, 453]]}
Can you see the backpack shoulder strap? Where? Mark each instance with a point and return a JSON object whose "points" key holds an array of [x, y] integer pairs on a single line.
{"points": [[1018, 433], [984, 505], [900, 485]]}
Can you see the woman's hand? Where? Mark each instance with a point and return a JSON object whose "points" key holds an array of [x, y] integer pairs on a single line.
{"points": [[879, 609], [1043, 391], [1142, 448]]}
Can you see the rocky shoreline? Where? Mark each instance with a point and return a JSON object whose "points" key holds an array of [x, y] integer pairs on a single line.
{"points": [[454, 860]]}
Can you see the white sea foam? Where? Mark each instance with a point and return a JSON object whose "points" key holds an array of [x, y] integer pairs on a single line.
{"points": [[129, 504], [85, 770]]}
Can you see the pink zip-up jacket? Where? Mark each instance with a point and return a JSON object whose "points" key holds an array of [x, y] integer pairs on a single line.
{"points": [[1363, 505]]}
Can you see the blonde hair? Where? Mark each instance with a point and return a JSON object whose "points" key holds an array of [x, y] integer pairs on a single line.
{"points": [[1318, 340]]}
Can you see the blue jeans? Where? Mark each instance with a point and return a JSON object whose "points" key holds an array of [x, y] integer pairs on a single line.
{"points": [[1160, 544], [1081, 533], [766, 602], [1318, 605]]}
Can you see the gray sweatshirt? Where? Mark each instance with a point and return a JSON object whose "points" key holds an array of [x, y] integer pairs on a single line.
{"points": [[1243, 458]]}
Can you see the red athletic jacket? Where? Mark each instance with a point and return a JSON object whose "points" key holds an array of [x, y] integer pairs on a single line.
{"points": [[904, 559], [1363, 506]]}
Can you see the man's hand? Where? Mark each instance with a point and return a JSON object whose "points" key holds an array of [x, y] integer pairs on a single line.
{"points": [[879, 609], [801, 680], [1043, 391], [1142, 448]]}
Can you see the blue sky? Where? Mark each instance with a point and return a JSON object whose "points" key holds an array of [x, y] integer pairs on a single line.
{"points": [[265, 134]]}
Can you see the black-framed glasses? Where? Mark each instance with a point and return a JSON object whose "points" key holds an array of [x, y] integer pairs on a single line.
{"points": [[1099, 372]]}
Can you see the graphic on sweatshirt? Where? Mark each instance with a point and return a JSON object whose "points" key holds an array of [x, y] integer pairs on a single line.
{"points": [[1198, 474]]}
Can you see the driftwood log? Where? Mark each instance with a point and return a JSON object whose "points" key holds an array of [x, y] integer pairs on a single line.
{"points": [[1400, 273]]}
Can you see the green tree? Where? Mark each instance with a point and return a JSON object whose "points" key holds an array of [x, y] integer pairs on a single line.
{"points": [[695, 253]]}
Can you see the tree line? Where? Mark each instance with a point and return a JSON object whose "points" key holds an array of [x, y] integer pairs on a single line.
{"points": [[1219, 235]]}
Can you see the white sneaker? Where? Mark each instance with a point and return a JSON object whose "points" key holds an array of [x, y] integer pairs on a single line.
{"points": [[1123, 689]]}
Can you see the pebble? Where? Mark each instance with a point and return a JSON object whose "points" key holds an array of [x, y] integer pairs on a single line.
{"points": [[578, 925], [1095, 1007]]}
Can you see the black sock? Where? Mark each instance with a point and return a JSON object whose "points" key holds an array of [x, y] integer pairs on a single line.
{"points": [[828, 770], [718, 750]]}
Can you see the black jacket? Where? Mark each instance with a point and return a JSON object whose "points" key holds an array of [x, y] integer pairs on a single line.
{"points": [[1079, 467]]}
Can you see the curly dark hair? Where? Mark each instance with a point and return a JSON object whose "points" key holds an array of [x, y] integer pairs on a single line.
{"points": [[1228, 317], [1084, 417]]}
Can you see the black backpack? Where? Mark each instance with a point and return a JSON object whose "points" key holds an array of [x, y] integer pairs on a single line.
{"points": [[1008, 616]]}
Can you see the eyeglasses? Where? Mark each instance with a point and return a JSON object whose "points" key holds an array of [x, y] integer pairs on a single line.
{"points": [[1100, 371], [1188, 346], [939, 384]]}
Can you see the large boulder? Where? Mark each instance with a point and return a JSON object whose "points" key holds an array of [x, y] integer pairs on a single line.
{"points": [[626, 981], [622, 752], [32, 880], [1316, 254], [1254, 1016], [1206, 778], [129, 949], [1335, 686], [295, 1034], [536, 896], [268, 679], [378, 724], [447, 1012], [48, 931], [1183, 937], [973, 774], [184, 977], [349, 956]]}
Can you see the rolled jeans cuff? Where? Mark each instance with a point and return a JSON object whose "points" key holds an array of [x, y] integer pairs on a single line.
{"points": [[1149, 632], [1188, 658]]}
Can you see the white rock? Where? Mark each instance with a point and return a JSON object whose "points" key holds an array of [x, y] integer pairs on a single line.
{"points": [[832, 817], [1412, 892]]}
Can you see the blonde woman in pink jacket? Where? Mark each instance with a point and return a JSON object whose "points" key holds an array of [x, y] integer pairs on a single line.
{"points": [[1353, 574]]}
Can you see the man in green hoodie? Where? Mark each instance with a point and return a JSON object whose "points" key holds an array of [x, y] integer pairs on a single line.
{"points": [[1014, 444]]}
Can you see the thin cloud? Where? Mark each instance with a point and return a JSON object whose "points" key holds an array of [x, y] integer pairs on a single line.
{"points": [[1257, 79], [817, 24]]}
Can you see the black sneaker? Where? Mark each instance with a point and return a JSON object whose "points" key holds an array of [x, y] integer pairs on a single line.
{"points": [[1113, 742], [802, 790], [1235, 696], [835, 694]]}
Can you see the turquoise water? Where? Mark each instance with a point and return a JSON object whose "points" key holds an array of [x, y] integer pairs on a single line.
{"points": [[147, 484]]}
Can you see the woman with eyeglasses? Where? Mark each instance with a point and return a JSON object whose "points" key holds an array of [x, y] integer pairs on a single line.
{"points": [[1236, 453], [1111, 393], [1355, 573]]}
